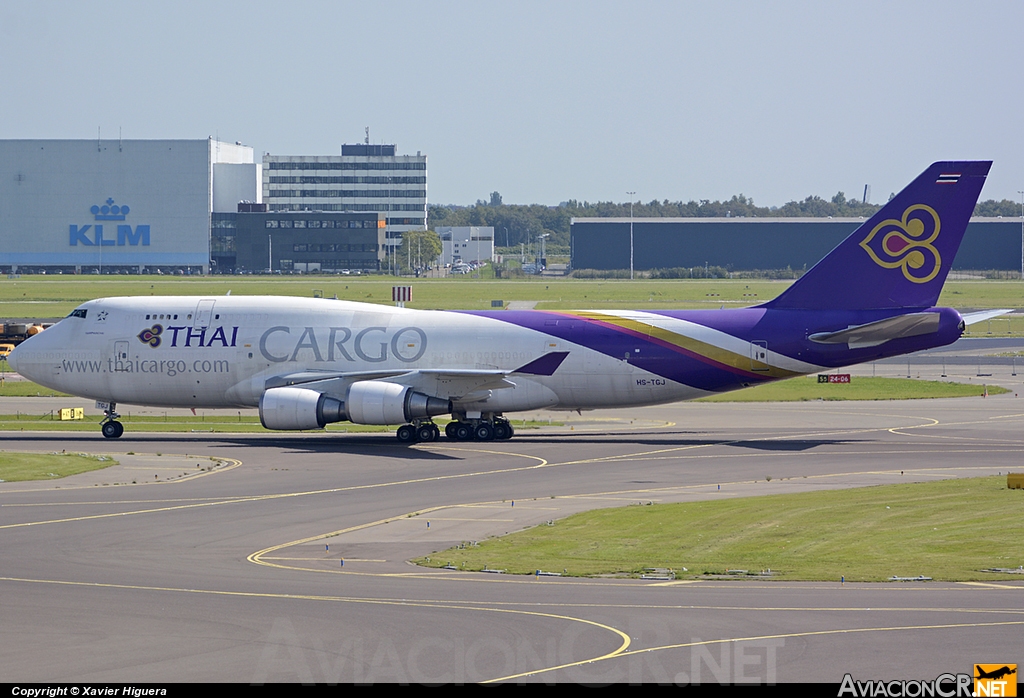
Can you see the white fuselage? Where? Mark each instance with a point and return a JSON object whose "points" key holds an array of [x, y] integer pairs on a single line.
{"points": [[221, 352]]}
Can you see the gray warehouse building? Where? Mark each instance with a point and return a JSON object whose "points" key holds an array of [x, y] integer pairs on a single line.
{"points": [[759, 243]]}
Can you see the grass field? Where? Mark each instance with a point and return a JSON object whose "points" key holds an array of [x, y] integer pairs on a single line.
{"points": [[859, 388], [218, 423], [56, 296], [796, 389], [18, 467], [947, 530], [21, 388]]}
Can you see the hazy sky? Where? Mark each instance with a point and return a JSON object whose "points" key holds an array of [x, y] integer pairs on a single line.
{"points": [[545, 101]]}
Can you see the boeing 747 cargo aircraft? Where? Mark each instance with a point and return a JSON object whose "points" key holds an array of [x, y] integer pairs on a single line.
{"points": [[310, 362]]}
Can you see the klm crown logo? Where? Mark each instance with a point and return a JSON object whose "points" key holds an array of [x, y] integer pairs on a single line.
{"points": [[109, 212], [92, 235]]}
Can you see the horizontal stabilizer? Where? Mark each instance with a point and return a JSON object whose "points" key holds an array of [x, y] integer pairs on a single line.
{"points": [[545, 365], [875, 333], [982, 316]]}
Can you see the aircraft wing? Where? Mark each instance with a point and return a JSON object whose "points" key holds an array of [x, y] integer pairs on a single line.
{"points": [[305, 378], [875, 333], [452, 384]]}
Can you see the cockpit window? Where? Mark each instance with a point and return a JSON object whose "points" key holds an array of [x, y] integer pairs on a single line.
{"points": [[80, 312]]}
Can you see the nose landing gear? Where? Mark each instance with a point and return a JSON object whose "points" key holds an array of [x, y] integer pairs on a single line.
{"points": [[110, 427]]}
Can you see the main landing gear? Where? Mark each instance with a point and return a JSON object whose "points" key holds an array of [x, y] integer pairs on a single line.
{"points": [[111, 428], [492, 428], [496, 429]]}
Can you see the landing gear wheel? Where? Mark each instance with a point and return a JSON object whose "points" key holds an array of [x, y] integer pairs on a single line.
{"points": [[483, 432], [112, 429], [463, 432], [406, 434], [502, 431], [428, 432], [449, 430]]}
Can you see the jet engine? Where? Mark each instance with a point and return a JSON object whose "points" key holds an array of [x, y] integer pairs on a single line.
{"points": [[378, 402], [299, 408], [366, 402]]}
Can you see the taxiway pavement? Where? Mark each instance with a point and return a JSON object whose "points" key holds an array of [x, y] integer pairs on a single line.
{"points": [[220, 559]]}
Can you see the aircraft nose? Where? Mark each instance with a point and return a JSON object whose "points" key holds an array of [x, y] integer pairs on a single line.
{"points": [[12, 359]]}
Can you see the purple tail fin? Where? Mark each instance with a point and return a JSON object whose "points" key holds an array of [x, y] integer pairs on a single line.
{"points": [[900, 257]]}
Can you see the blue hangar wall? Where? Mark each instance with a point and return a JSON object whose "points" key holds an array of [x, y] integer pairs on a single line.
{"points": [[759, 243]]}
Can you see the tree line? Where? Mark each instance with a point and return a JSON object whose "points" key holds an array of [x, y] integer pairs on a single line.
{"points": [[516, 224]]}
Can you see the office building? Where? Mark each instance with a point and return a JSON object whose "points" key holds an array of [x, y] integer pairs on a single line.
{"points": [[466, 244], [364, 178], [255, 240]]}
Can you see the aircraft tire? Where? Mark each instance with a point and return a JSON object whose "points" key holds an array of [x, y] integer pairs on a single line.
{"points": [[463, 432], [449, 430], [112, 430], [406, 434], [502, 431], [427, 432], [483, 432]]}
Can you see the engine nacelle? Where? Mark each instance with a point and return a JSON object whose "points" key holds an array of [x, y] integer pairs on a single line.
{"points": [[378, 402], [367, 402], [299, 408]]}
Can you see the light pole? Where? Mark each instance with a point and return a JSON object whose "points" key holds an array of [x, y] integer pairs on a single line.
{"points": [[1021, 192], [631, 193], [392, 264]]}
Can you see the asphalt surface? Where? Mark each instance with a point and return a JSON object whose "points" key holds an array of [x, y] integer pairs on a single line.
{"points": [[284, 558]]}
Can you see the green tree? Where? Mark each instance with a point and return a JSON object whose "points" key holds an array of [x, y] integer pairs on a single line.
{"points": [[1004, 208], [420, 248]]}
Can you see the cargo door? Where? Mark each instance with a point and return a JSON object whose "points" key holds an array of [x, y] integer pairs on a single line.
{"points": [[759, 356], [204, 312], [121, 356]]}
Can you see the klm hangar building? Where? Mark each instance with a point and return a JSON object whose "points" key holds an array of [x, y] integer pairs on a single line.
{"points": [[85, 206]]}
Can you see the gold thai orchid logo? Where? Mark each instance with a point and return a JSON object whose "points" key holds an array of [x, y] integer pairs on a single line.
{"points": [[907, 244], [151, 335]]}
